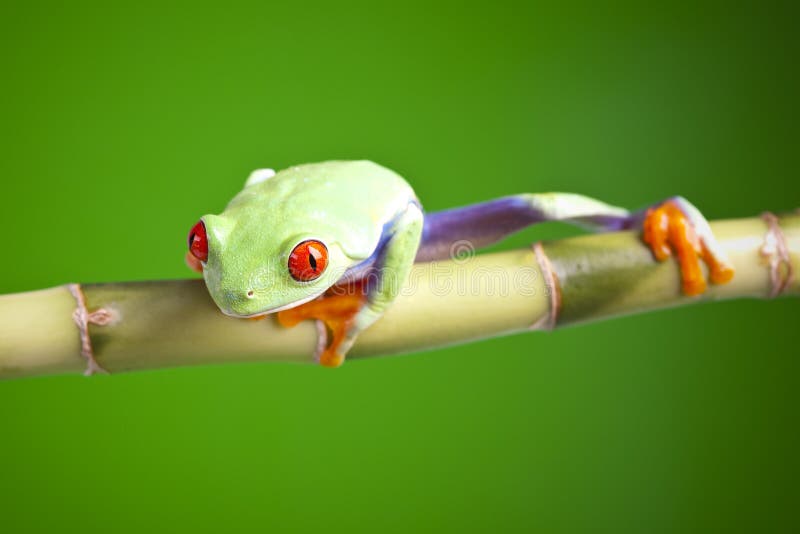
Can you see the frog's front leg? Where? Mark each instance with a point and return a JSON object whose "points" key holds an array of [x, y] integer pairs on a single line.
{"points": [[673, 225], [350, 308]]}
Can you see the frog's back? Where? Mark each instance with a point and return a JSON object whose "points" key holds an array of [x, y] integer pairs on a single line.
{"points": [[342, 198], [364, 184], [361, 184]]}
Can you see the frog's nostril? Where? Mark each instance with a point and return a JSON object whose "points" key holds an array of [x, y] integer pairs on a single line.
{"points": [[250, 294]]}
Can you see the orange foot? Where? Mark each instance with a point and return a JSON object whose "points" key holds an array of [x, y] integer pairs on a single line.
{"points": [[666, 229], [336, 312]]}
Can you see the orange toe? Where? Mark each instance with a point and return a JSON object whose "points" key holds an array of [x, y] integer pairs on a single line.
{"points": [[719, 272], [655, 230], [686, 244], [331, 358]]}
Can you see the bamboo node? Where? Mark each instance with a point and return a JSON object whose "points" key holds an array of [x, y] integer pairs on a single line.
{"points": [[83, 318], [775, 252], [552, 287]]}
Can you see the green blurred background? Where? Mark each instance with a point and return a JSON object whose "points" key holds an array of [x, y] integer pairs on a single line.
{"points": [[122, 124]]}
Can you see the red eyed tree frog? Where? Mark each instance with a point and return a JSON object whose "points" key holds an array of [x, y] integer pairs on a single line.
{"points": [[288, 239]]}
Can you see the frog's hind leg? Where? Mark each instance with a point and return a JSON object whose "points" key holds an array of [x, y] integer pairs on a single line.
{"points": [[490, 222], [673, 225]]}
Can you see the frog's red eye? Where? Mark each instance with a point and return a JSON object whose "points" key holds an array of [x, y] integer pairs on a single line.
{"points": [[198, 241], [308, 260]]}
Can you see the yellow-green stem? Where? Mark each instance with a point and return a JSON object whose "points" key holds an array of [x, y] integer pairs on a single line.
{"points": [[171, 323]]}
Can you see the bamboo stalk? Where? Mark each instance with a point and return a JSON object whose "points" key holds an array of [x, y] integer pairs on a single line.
{"points": [[146, 325]]}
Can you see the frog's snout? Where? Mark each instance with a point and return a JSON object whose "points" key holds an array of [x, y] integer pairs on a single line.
{"points": [[240, 303]]}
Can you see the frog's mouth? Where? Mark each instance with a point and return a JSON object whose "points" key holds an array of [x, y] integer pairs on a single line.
{"points": [[275, 309]]}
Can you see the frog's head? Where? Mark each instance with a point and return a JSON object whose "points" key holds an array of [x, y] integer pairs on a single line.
{"points": [[288, 236], [252, 266]]}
